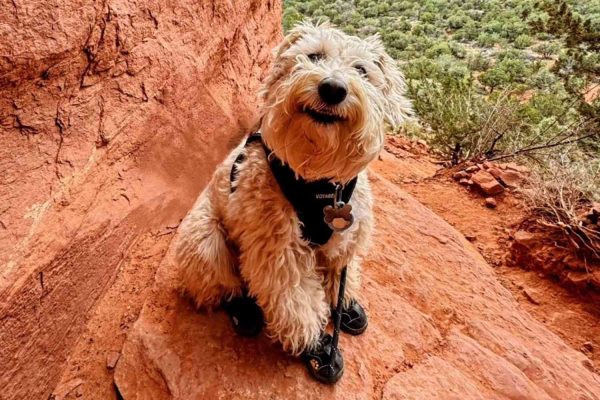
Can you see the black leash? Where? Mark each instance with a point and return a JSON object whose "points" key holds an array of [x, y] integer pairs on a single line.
{"points": [[338, 313], [323, 207]]}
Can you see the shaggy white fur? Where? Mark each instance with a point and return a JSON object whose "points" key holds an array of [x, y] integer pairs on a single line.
{"points": [[294, 283]]}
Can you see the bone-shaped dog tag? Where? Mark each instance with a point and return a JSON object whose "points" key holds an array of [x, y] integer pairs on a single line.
{"points": [[339, 217]]}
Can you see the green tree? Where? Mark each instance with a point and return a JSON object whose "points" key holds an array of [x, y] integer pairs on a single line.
{"points": [[494, 78], [546, 49]]}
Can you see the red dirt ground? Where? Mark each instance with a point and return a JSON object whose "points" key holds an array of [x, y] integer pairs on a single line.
{"points": [[573, 316]]}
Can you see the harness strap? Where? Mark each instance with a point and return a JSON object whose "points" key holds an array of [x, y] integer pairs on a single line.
{"points": [[254, 137], [308, 198]]}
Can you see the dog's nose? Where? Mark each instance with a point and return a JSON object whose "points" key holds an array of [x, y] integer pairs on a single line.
{"points": [[332, 91]]}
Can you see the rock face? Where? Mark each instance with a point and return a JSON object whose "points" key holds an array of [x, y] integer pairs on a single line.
{"points": [[112, 115], [441, 327]]}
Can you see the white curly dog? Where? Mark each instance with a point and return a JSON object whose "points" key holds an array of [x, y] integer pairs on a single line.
{"points": [[259, 229]]}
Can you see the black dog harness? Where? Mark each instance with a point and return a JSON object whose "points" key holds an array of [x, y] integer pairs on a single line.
{"points": [[317, 203]]}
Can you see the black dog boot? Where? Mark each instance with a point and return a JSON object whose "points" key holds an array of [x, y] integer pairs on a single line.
{"points": [[246, 316], [354, 318], [325, 363]]}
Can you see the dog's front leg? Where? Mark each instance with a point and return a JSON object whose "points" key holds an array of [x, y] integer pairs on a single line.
{"points": [[331, 271], [290, 292]]}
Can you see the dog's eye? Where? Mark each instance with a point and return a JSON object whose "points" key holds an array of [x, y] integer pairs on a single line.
{"points": [[361, 70], [314, 57]]}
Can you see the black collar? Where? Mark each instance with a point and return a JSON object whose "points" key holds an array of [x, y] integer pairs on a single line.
{"points": [[308, 198]]}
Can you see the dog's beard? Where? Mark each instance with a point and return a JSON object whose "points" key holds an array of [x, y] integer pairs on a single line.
{"points": [[319, 141]]}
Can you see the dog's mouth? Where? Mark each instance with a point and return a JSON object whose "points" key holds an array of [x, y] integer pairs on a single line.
{"points": [[323, 116]]}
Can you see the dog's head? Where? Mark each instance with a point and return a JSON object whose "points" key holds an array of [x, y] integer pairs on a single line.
{"points": [[327, 101]]}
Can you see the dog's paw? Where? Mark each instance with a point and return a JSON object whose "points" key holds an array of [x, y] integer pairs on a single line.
{"points": [[324, 362]]}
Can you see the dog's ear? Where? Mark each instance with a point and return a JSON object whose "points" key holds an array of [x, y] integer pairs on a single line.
{"points": [[295, 34], [287, 42], [398, 107]]}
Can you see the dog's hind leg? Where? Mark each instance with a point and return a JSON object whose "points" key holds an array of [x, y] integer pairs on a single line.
{"points": [[207, 265]]}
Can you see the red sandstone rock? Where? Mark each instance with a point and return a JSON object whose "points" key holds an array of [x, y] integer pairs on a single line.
{"points": [[509, 178], [112, 116], [103, 152], [576, 280], [524, 238], [487, 183], [456, 328], [532, 296], [112, 359], [461, 175], [515, 167], [490, 202], [595, 280], [587, 347]]}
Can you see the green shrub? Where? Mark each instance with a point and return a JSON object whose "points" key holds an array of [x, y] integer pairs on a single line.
{"points": [[488, 39], [438, 49], [457, 50], [522, 41], [457, 21], [543, 80], [477, 61], [546, 49]]}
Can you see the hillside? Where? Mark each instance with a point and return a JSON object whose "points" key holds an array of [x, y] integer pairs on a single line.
{"points": [[492, 78]]}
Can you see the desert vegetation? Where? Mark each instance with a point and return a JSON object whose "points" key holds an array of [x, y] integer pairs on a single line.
{"points": [[497, 80]]}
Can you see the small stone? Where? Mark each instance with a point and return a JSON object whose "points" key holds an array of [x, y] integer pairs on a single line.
{"points": [[587, 347], [471, 238], [595, 279], [464, 182], [572, 262], [288, 374], [487, 183], [577, 280], [524, 237], [490, 202], [112, 359], [589, 365], [472, 168], [460, 175], [515, 167], [531, 295], [509, 178]]}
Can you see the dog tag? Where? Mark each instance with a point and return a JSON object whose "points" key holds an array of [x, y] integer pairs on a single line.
{"points": [[339, 218]]}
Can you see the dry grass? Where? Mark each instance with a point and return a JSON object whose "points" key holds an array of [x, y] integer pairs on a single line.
{"points": [[560, 194]]}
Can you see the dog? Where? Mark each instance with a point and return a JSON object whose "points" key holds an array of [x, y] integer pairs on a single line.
{"points": [[248, 244]]}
